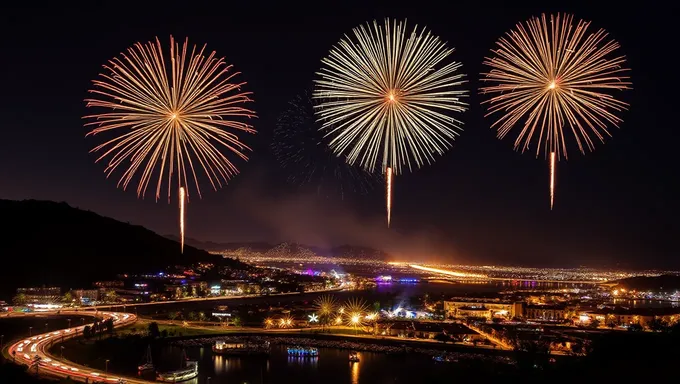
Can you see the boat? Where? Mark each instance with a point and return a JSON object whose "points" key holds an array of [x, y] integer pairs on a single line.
{"points": [[354, 357], [147, 363], [444, 358], [188, 372], [244, 348], [303, 351]]}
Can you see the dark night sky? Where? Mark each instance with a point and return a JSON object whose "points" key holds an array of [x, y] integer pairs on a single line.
{"points": [[479, 203]]}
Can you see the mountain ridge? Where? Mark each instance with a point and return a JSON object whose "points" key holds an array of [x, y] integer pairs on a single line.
{"points": [[75, 247], [263, 247]]}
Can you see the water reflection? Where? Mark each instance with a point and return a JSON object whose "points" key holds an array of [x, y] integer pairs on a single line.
{"points": [[354, 369], [303, 360]]}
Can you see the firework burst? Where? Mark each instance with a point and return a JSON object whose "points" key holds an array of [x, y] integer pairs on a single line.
{"points": [[170, 116], [556, 80], [384, 97], [325, 305], [302, 151], [354, 311]]}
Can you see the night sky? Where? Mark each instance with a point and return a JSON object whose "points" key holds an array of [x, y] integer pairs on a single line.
{"points": [[480, 203]]}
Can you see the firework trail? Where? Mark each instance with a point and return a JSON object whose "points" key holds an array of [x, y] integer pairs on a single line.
{"points": [[556, 79], [169, 116], [181, 216], [552, 179], [389, 196], [384, 97], [302, 151]]}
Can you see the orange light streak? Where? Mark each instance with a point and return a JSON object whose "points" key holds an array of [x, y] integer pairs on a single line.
{"points": [[181, 216], [389, 195], [552, 179], [445, 272]]}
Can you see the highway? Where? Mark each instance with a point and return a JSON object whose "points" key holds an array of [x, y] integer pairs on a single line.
{"points": [[203, 299], [33, 351]]}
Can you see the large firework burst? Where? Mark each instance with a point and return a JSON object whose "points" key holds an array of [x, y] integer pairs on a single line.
{"points": [[301, 150], [179, 113], [555, 80], [385, 96]]}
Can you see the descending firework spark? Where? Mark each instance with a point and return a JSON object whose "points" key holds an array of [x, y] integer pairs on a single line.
{"points": [[389, 195], [382, 97], [558, 80], [181, 216], [301, 150], [176, 113], [552, 179]]}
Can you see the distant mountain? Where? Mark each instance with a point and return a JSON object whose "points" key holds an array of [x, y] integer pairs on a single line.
{"points": [[216, 247], [339, 251], [651, 283], [44, 242]]}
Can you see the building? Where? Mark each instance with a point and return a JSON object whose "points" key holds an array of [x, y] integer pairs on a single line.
{"points": [[483, 308], [44, 295], [109, 284], [548, 312], [625, 316], [86, 296]]}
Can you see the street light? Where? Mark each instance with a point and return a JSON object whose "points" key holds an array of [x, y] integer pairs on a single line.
{"points": [[62, 351], [69, 322], [30, 331], [106, 366]]}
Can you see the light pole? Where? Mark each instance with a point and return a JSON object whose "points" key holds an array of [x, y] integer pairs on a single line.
{"points": [[30, 331], [106, 366], [46, 328], [62, 351], [2, 338], [82, 319], [208, 382], [69, 322]]}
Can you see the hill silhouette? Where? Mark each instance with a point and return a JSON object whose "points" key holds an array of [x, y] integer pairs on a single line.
{"points": [[651, 283], [49, 243]]}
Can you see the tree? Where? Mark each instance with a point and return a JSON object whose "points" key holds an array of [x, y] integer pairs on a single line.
{"points": [[594, 324], [443, 337], [237, 321], [658, 325], [376, 306], [635, 327], [154, 332], [68, 297], [87, 332], [201, 316], [611, 324], [108, 325], [191, 316], [173, 315], [111, 296], [19, 299]]}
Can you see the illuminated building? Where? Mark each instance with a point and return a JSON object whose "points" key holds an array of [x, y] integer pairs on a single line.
{"points": [[86, 296], [483, 309], [40, 295], [547, 312], [641, 316]]}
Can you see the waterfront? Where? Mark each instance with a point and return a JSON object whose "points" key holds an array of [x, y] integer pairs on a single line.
{"points": [[332, 366]]}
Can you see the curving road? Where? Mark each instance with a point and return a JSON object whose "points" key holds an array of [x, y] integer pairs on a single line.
{"points": [[32, 351]]}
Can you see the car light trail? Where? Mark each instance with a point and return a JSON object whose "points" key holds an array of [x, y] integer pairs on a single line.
{"points": [[446, 272]]}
